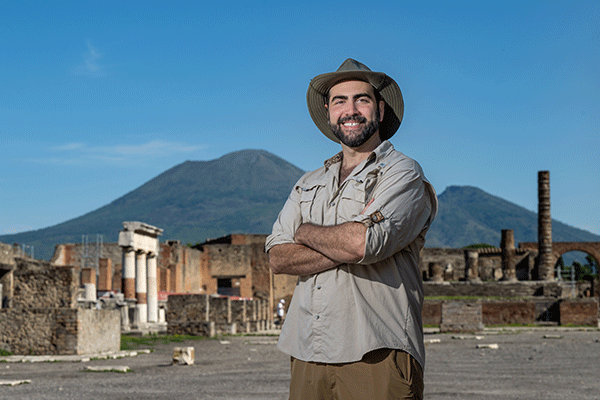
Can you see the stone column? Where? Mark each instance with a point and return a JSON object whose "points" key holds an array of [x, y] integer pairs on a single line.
{"points": [[472, 265], [546, 259], [436, 272], [509, 252], [141, 308], [129, 273], [152, 289]]}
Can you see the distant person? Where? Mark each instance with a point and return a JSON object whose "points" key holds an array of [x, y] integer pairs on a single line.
{"points": [[352, 231], [280, 311]]}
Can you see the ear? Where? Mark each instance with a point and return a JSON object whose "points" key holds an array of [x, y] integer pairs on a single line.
{"points": [[381, 110]]}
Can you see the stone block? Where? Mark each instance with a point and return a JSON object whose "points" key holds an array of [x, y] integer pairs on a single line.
{"points": [[461, 316], [183, 355]]}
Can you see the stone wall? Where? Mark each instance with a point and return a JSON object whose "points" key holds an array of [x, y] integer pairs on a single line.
{"points": [[432, 312], [37, 285], [507, 312], [205, 315], [463, 315], [39, 331], [493, 289], [8, 254], [43, 317], [579, 312]]}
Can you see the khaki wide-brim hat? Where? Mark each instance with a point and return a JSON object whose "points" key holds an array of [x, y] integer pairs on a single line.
{"points": [[319, 86]]}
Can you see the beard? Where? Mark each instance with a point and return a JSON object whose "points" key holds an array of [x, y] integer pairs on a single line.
{"points": [[361, 137]]}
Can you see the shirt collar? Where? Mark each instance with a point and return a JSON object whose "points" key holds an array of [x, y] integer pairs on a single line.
{"points": [[376, 154]]}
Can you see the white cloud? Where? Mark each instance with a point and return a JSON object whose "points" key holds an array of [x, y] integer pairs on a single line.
{"points": [[91, 66], [69, 146], [76, 153], [16, 229]]}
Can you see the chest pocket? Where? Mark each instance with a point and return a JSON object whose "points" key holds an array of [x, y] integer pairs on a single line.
{"points": [[312, 198], [355, 195]]}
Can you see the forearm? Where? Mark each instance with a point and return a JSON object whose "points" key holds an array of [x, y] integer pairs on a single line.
{"points": [[297, 259], [344, 243]]}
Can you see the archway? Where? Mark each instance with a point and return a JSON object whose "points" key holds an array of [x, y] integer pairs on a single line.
{"points": [[576, 266], [577, 271]]}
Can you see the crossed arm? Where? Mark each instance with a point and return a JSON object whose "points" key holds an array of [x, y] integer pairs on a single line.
{"points": [[319, 248]]}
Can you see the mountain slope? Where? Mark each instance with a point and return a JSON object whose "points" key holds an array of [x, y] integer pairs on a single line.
{"points": [[239, 192], [468, 215], [242, 192]]}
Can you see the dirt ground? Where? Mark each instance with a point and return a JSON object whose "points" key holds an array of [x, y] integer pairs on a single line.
{"points": [[549, 363]]}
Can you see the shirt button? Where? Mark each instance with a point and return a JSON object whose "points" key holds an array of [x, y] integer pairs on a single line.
{"points": [[317, 316], [332, 204], [319, 287]]}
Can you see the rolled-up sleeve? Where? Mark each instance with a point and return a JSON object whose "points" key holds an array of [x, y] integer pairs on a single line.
{"points": [[402, 208], [288, 221]]}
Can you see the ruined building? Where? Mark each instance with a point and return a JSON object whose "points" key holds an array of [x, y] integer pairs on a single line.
{"points": [[41, 312], [531, 262]]}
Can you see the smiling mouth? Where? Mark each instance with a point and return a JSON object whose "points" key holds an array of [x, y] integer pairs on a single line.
{"points": [[351, 122]]}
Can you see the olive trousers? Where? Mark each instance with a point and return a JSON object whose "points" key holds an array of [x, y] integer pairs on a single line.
{"points": [[381, 375]]}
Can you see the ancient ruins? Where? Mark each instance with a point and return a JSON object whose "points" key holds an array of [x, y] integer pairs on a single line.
{"points": [[140, 250], [225, 285]]}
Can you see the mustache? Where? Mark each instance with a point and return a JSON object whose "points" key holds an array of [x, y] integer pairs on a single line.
{"points": [[353, 118]]}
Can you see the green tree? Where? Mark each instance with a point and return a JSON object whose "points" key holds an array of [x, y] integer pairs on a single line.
{"points": [[581, 272]]}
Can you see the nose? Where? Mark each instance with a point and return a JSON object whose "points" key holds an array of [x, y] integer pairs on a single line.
{"points": [[351, 109]]}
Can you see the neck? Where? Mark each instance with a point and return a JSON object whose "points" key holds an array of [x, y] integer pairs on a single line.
{"points": [[355, 155]]}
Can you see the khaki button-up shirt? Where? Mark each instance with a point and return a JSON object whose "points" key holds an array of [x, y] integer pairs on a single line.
{"points": [[338, 315]]}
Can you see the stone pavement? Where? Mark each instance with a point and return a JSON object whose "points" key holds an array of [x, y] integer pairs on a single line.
{"points": [[526, 363]]}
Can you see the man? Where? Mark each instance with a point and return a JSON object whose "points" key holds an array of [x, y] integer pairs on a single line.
{"points": [[352, 231]]}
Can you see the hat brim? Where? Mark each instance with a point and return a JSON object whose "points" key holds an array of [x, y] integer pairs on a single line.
{"points": [[319, 86]]}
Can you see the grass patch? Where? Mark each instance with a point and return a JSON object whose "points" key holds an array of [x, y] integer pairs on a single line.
{"points": [[4, 353], [111, 371]]}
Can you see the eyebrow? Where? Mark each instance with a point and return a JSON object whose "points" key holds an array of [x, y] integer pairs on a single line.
{"points": [[355, 97]]}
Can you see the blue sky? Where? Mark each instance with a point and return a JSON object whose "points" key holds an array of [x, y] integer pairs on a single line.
{"points": [[97, 98]]}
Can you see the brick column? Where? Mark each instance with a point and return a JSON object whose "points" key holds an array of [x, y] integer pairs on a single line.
{"points": [[129, 273], [105, 274], [546, 259], [152, 288], [88, 275], [141, 308], [508, 255]]}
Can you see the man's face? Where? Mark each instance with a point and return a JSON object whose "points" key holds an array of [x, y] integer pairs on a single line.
{"points": [[354, 114]]}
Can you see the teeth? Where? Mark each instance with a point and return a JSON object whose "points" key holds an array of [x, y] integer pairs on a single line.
{"points": [[351, 124]]}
